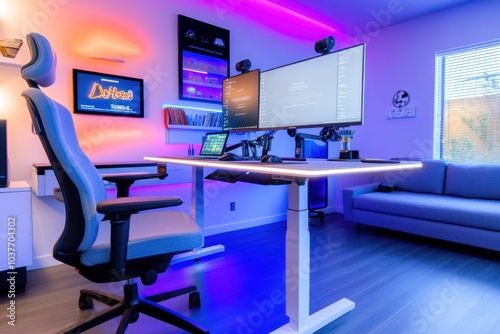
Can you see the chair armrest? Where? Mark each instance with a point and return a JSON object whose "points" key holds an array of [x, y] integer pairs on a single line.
{"points": [[118, 212], [350, 193], [130, 205], [124, 181]]}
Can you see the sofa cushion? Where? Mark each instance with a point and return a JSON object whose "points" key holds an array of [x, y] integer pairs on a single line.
{"points": [[428, 179], [473, 180], [480, 213]]}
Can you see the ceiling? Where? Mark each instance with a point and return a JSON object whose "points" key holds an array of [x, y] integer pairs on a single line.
{"points": [[355, 17]]}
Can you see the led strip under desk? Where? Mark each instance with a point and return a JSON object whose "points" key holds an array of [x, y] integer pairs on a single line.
{"points": [[313, 167], [297, 234]]}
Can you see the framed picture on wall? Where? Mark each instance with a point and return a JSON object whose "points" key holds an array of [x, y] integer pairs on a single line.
{"points": [[203, 53], [107, 94]]}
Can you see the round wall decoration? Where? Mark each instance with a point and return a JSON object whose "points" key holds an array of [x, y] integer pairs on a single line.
{"points": [[401, 99]]}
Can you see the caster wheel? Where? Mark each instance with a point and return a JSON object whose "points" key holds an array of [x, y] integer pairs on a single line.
{"points": [[85, 303], [134, 317], [194, 300], [322, 217]]}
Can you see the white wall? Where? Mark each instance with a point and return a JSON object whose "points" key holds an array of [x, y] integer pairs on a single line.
{"points": [[144, 34], [401, 57]]}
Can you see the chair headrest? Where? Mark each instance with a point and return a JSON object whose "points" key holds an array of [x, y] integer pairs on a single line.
{"points": [[41, 69]]}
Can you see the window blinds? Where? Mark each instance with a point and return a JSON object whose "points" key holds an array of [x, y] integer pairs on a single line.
{"points": [[467, 104]]}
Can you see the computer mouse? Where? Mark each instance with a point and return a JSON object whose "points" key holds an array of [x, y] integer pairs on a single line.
{"points": [[230, 157], [271, 159]]}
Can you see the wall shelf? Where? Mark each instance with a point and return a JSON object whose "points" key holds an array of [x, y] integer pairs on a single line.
{"points": [[183, 116], [191, 117], [9, 63], [192, 127]]}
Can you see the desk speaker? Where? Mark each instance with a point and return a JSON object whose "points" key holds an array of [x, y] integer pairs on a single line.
{"points": [[4, 180]]}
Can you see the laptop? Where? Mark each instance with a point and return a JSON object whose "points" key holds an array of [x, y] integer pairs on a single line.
{"points": [[214, 145]]}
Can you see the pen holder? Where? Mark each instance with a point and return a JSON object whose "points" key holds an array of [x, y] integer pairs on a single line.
{"points": [[345, 144]]}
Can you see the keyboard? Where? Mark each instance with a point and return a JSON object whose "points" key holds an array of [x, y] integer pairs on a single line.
{"points": [[379, 161], [292, 159]]}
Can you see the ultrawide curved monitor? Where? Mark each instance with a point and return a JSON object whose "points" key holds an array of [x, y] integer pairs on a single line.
{"points": [[326, 90]]}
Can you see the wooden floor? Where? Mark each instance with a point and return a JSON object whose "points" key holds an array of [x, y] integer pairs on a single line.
{"points": [[400, 284]]}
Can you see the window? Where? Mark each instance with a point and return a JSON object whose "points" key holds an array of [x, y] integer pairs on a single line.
{"points": [[467, 104]]}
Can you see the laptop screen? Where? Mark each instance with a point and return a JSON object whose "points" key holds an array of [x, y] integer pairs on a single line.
{"points": [[214, 144]]}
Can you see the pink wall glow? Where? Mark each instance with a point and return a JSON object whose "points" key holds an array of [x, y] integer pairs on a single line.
{"points": [[286, 21]]}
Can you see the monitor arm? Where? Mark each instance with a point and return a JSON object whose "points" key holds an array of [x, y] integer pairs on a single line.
{"points": [[326, 134], [234, 147], [266, 141], [245, 148]]}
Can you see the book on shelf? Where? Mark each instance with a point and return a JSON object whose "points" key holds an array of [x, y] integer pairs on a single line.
{"points": [[178, 116], [175, 116]]}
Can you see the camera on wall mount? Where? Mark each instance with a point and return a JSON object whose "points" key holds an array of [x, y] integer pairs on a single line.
{"points": [[324, 45], [243, 66]]}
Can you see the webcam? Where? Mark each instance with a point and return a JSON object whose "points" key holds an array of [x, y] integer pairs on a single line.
{"points": [[324, 45], [243, 66]]}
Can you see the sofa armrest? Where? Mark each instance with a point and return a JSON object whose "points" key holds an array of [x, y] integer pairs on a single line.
{"points": [[350, 193]]}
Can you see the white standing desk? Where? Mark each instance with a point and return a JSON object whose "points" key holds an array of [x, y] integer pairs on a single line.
{"points": [[297, 234]]}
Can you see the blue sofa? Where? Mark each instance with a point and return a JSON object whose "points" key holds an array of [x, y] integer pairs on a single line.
{"points": [[451, 201]]}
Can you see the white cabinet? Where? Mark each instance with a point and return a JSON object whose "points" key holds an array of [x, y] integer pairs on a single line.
{"points": [[16, 230], [44, 179]]}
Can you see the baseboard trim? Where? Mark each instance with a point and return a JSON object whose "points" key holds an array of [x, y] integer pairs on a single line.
{"points": [[43, 261], [243, 224]]}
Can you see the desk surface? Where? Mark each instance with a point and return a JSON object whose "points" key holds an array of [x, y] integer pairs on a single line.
{"points": [[297, 236], [309, 168]]}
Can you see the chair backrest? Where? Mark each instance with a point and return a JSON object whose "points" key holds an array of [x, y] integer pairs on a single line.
{"points": [[40, 70], [81, 184]]}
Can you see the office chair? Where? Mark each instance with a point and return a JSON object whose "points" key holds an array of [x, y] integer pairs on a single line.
{"points": [[96, 239]]}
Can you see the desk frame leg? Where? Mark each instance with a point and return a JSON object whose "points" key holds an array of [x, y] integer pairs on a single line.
{"points": [[298, 269], [198, 214]]}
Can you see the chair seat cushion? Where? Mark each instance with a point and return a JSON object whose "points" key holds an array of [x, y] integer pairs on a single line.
{"points": [[151, 233]]}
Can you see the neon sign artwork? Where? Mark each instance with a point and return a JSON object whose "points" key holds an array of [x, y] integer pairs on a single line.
{"points": [[107, 94], [98, 92]]}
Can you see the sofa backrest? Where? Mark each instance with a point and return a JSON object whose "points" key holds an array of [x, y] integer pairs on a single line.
{"points": [[428, 179], [473, 180]]}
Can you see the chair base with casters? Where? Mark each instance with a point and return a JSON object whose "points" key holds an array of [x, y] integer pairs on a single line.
{"points": [[131, 305]]}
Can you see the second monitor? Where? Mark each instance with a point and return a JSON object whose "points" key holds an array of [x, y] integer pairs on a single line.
{"points": [[240, 102]]}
